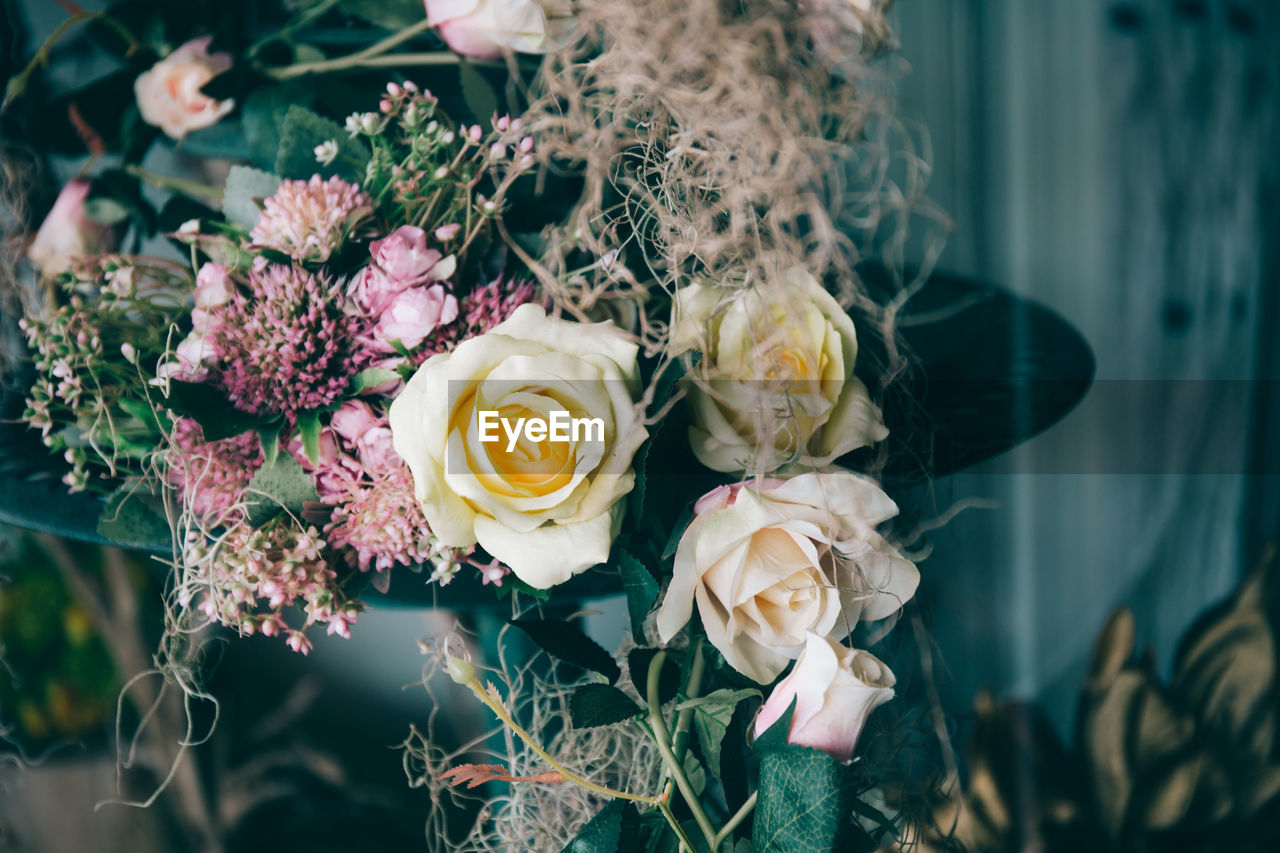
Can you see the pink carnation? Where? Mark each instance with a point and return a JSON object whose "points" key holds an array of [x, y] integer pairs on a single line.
{"points": [[310, 220]]}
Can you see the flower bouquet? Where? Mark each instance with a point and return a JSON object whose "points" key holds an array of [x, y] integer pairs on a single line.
{"points": [[622, 330]]}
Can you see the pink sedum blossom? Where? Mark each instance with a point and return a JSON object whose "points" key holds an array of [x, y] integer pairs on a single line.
{"points": [[212, 475]]}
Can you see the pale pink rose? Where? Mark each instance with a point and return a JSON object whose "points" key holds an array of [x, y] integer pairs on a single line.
{"points": [[373, 290], [368, 433], [67, 233], [190, 360], [770, 561], [835, 689], [486, 29], [413, 315], [403, 255], [169, 95], [214, 286]]}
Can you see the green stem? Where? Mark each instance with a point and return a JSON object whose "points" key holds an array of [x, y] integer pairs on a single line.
{"points": [[373, 57], [498, 709], [663, 739], [738, 818], [195, 189], [685, 843]]}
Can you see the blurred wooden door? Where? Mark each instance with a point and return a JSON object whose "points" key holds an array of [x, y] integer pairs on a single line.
{"points": [[1118, 162]]}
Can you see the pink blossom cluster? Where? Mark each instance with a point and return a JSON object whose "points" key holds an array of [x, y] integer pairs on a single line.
{"points": [[310, 220], [400, 294], [286, 345], [254, 574], [212, 475]]}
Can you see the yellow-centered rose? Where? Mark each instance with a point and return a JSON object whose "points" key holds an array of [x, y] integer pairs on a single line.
{"points": [[479, 428], [777, 385]]}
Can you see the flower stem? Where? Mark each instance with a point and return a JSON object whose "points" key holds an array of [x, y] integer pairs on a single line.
{"points": [[494, 705], [194, 189], [737, 818], [663, 739]]}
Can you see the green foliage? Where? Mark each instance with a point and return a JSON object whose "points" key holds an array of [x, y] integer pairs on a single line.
{"points": [[301, 131], [309, 432], [638, 661], [387, 14], [372, 377], [566, 642], [210, 408], [263, 118], [246, 187], [278, 487], [477, 93], [601, 834], [641, 590], [600, 705], [711, 717], [133, 516]]}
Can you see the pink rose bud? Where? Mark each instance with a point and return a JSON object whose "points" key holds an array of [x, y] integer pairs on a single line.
{"points": [[835, 689], [415, 314], [369, 433], [353, 419], [169, 95], [403, 255], [373, 290], [213, 286], [67, 233], [445, 233], [725, 496]]}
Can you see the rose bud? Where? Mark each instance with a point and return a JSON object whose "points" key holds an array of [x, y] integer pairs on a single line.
{"points": [[485, 29], [403, 255], [68, 233], [834, 689], [413, 315], [169, 95]]}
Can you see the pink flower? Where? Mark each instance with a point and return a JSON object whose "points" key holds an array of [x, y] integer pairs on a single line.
{"points": [[726, 496], [373, 290], [169, 95], [213, 286], [414, 314], [67, 233], [310, 220], [485, 29], [403, 255], [368, 433], [835, 689], [213, 475]]}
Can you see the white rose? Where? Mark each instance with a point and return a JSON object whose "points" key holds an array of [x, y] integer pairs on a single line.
{"points": [[169, 95], [770, 561], [777, 383], [547, 509], [485, 29], [835, 689]]}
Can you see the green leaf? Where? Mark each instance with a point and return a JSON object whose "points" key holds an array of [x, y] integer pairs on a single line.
{"points": [[477, 94], [281, 486], [142, 411], [269, 439], [105, 210], [804, 803], [133, 516], [245, 189], [775, 737], [711, 720], [566, 642], [677, 532], [262, 118], [638, 661], [600, 705], [372, 377], [511, 585], [387, 14], [641, 590], [309, 431], [601, 834], [301, 132], [210, 408]]}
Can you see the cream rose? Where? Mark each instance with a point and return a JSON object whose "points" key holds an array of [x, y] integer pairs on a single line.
{"points": [[169, 95], [770, 561], [835, 689], [548, 509], [777, 384], [485, 29]]}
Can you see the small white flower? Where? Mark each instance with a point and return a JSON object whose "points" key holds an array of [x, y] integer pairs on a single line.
{"points": [[327, 152], [353, 125]]}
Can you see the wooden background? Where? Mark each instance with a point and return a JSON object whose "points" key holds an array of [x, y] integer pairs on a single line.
{"points": [[1116, 161]]}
